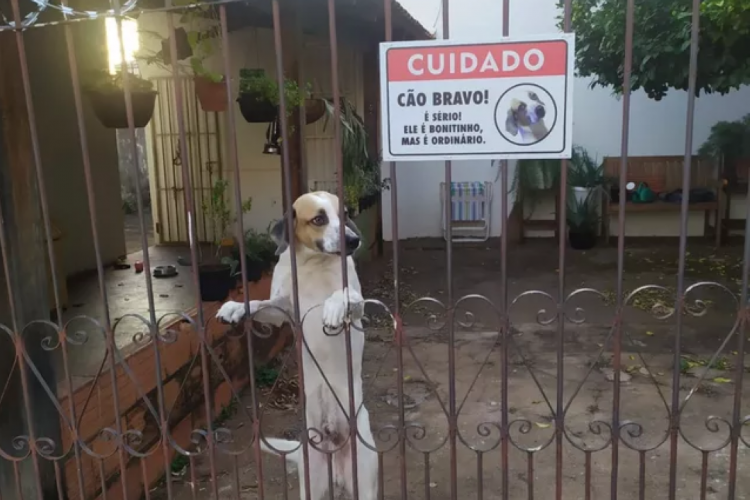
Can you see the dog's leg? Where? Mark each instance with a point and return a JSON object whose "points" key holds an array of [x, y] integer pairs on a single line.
{"points": [[273, 311], [294, 455], [367, 459], [339, 304]]}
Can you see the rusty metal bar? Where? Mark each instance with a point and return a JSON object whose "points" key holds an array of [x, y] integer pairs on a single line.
{"points": [[505, 316], [190, 213], [448, 207], [562, 242], [680, 298], [240, 235], [289, 216], [617, 347], [338, 161], [398, 334]]}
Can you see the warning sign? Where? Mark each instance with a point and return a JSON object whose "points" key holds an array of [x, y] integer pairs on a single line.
{"points": [[449, 100]]}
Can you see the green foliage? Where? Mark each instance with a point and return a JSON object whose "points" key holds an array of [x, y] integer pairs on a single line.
{"points": [[260, 247], [255, 81], [661, 44], [583, 214], [103, 81], [361, 171], [218, 212], [730, 139], [265, 376], [583, 171]]}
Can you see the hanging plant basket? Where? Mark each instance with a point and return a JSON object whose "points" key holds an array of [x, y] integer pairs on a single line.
{"points": [[314, 110], [255, 108], [211, 95], [109, 107]]}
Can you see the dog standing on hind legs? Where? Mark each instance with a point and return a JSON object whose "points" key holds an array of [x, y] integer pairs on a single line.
{"points": [[316, 233]]}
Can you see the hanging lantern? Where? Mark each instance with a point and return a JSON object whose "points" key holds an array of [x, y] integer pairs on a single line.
{"points": [[273, 138]]}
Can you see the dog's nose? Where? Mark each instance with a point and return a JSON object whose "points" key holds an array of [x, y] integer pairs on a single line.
{"points": [[540, 112], [352, 242]]}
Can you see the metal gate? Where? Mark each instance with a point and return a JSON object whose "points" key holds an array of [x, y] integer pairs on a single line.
{"points": [[164, 428], [203, 136]]}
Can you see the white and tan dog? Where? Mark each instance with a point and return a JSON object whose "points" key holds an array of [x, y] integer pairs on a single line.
{"points": [[316, 234]]}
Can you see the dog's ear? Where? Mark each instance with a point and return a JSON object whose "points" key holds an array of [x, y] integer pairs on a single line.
{"points": [[351, 225], [280, 233], [510, 123]]}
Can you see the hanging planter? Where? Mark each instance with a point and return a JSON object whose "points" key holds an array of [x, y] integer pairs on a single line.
{"points": [[107, 98], [314, 110], [256, 109], [259, 97], [212, 95]]}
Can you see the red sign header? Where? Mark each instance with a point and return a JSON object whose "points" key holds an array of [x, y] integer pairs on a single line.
{"points": [[465, 62]]}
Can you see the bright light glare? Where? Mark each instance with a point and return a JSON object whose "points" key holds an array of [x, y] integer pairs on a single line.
{"points": [[130, 41]]}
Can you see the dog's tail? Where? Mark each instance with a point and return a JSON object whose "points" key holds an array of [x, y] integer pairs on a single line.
{"points": [[292, 450]]}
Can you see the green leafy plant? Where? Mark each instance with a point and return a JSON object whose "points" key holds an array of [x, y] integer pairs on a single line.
{"points": [[532, 177], [583, 215], [217, 211], [661, 44], [203, 29], [103, 81], [361, 170], [257, 82], [583, 170], [728, 139], [260, 247]]}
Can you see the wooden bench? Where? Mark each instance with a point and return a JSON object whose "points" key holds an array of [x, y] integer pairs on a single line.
{"points": [[663, 174]]}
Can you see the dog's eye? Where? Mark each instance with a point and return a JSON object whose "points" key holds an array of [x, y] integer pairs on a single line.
{"points": [[318, 221]]}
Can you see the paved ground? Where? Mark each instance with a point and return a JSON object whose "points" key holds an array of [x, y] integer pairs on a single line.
{"points": [[647, 363]]}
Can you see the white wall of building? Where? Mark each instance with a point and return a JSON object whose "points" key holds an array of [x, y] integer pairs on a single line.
{"points": [[657, 128]]}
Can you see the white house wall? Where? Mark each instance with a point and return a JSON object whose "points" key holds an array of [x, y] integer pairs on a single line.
{"points": [[657, 128], [260, 175]]}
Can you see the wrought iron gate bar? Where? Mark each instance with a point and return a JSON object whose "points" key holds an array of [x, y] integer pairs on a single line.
{"points": [[90, 460]]}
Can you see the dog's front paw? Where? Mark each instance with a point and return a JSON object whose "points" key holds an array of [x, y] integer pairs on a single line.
{"points": [[338, 304], [233, 312]]}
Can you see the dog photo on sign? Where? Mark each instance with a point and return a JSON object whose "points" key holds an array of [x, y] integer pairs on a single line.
{"points": [[529, 114]]}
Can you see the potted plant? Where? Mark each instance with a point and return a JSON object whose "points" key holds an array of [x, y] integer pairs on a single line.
{"points": [[205, 39], [260, 254], [216, 273], [197, 41], [259, 98], [533, 177], [106, 94], [585, 177], [583, 222]]}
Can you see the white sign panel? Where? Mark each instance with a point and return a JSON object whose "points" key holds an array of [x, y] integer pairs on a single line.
{"points": [[452, 100]]}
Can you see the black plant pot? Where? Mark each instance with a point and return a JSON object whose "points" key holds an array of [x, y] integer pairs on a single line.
{"points": [[582, 240], [254, 269], [256, 109], [215, 281], [109, 107], [184, 50]]}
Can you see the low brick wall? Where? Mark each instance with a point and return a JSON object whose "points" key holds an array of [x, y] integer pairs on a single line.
{"points": [[182, 379]]}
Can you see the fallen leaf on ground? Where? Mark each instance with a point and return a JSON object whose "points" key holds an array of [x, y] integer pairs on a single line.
{"points": [[722, 380], [542, 425]]}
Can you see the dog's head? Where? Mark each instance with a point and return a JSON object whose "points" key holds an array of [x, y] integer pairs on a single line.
{"points": [[522, 114], [317, 226]]}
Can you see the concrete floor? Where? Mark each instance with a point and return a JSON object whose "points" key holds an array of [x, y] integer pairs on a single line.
{"points": [[533, 372], [128, 306]]}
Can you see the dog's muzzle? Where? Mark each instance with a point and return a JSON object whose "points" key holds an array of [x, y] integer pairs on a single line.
{"points": [[351, 243]]}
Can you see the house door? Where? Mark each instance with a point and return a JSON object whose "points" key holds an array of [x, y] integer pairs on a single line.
{"points": [[203, 147]]}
